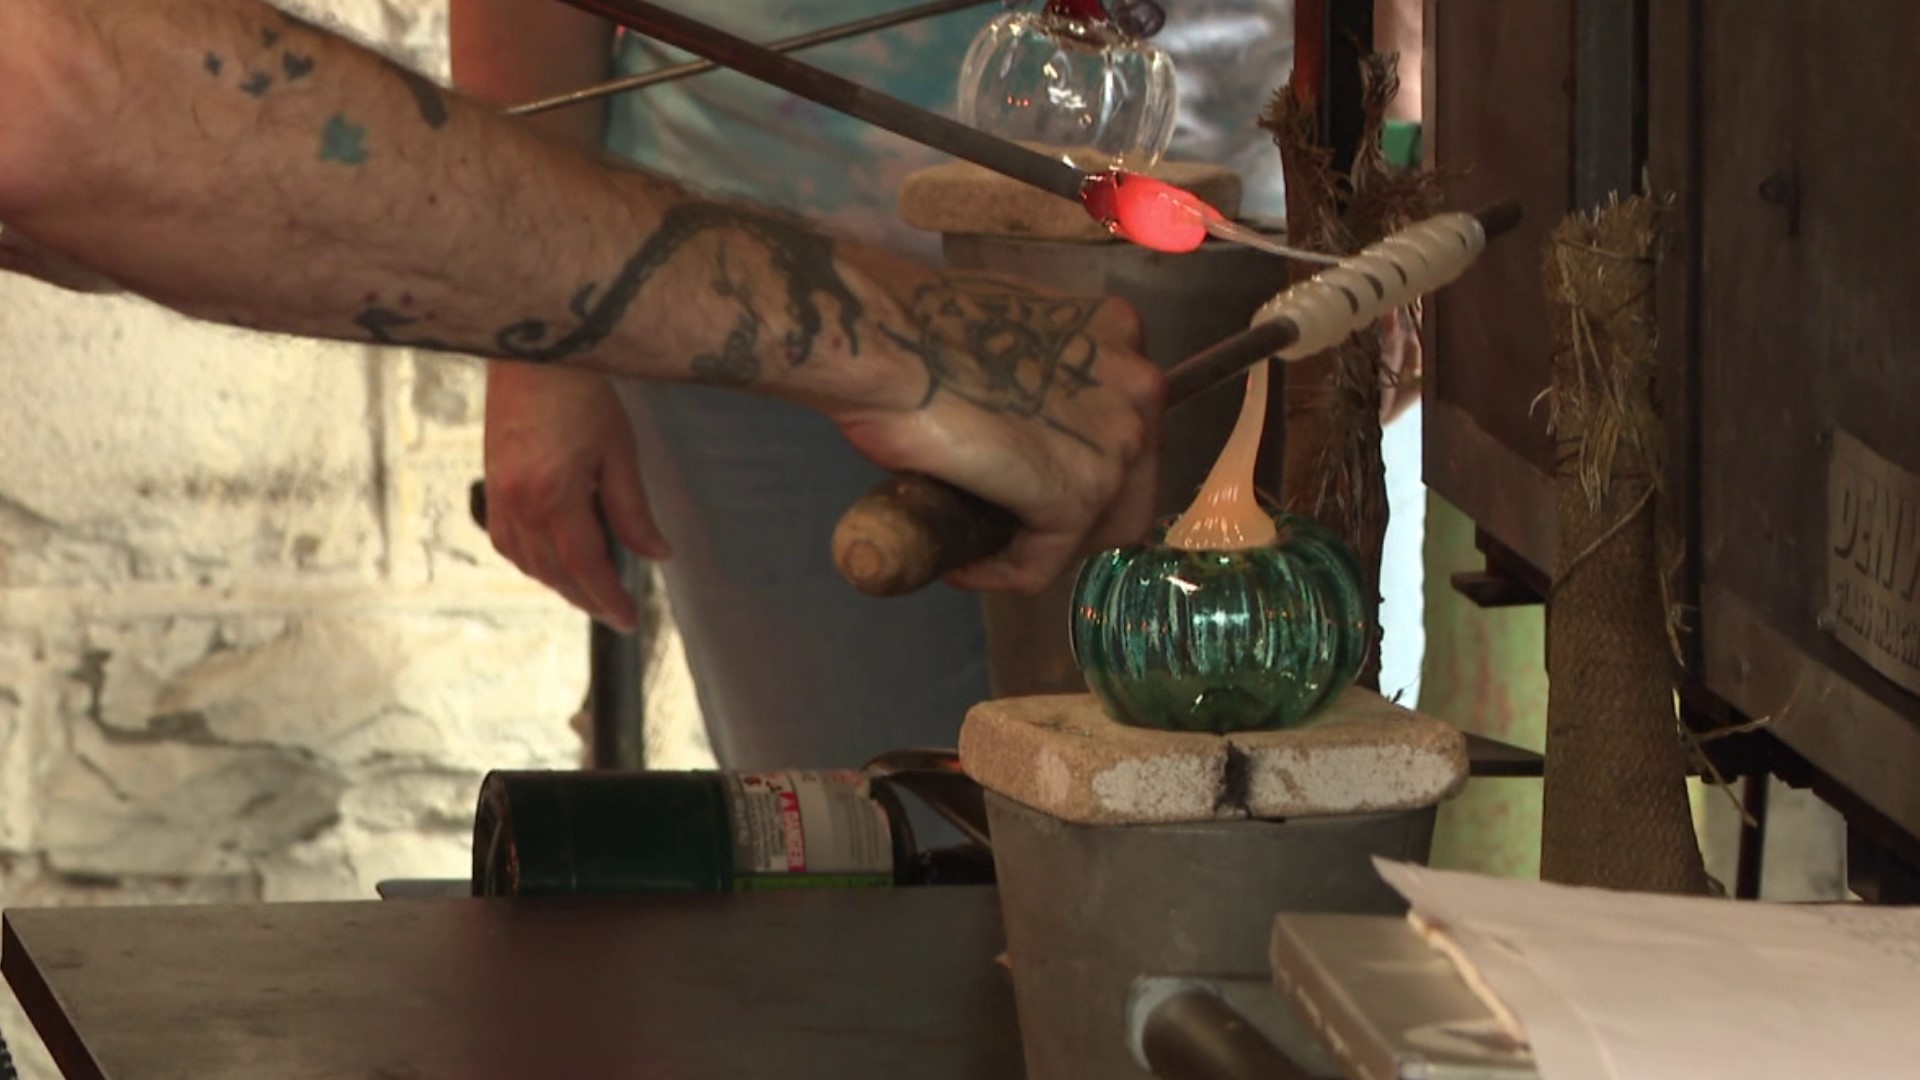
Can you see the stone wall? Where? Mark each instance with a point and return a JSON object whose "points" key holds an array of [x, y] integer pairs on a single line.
{"points": [[251, 645]]}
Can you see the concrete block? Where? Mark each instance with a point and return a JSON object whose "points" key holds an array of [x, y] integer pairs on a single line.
{"points": [[380, 856], [411, 31], [1062, 754], [317, 868], [171, 809], [1364, 754], [23, 741], [349, 862], [159, 449], [204, 746], [241, 681], [410, 799]]}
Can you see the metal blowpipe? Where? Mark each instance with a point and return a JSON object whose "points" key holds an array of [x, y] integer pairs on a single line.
{"points": [[843, 95], [825, 36]]}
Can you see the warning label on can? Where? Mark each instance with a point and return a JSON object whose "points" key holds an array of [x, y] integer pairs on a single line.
{"points": [[813, 823]]}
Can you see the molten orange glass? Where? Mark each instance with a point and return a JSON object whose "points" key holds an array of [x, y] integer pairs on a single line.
{"points": [[1227, 515], [1148, 212]]}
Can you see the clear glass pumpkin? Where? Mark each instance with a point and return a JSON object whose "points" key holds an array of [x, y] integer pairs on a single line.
{"points": [[1222, 641], [1071, 82]]}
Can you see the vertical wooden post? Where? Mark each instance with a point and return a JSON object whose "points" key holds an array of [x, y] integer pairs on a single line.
{"points": [[1330, 459]]}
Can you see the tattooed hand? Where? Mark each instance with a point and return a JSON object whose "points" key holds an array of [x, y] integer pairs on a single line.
{"points": [[559, 459], [1038, 402]]}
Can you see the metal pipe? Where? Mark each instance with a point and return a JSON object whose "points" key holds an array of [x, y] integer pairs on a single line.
{"points": [[842, 95], [1235, 354], [1753, 836], [1217, 363], [828, 35], [1196, 1035], [616, 700]]}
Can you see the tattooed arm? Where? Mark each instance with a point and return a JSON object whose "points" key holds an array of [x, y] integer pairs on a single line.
{"points": [[559, 452], [18, 255], [235, 164]]}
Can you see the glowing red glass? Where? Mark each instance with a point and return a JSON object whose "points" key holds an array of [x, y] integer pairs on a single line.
{"points": [[1148, 212], [1092, 11]]}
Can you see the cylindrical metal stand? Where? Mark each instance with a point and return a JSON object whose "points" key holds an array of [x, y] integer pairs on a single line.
{"points": [[1196, 1035], [1089, 908]]}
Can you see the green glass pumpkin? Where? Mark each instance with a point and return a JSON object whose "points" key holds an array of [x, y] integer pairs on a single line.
{"points": [[1222, 641]]}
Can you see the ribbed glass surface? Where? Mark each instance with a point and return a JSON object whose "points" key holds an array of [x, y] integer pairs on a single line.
{"points": [[1086, 93], [1221, 641]]}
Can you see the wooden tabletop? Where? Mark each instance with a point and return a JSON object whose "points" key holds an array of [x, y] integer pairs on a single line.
{"points": [[798, 986]]}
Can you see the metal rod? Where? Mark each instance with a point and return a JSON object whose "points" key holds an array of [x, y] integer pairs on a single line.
{"points": [[884, 21], [616, 699], [1196, 1035], [1217, 363], [616, 706], [842, 95], [1245, 235], [1225, 359], [1748, 870]]}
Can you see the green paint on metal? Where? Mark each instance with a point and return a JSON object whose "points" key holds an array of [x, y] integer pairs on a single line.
{"points": [[1400, 141], [1485, 672]]}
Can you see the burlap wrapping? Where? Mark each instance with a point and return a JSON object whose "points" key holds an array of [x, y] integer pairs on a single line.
{"points": [[1616, 812], [1331, 402]]}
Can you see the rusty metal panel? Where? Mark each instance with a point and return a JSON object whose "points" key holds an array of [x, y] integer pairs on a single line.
{"points": [[1807, 274], [1500, 126], [1832, 712]]}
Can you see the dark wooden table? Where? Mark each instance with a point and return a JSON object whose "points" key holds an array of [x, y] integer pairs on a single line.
{"points": [[795, 986]]}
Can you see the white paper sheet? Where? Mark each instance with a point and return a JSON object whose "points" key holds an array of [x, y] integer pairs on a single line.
{"points": [[1625, 986]]}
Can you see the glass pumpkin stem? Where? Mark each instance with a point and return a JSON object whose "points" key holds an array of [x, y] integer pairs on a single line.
{"points": [[1227, 515]]}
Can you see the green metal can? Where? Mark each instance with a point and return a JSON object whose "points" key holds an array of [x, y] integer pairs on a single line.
{"points": [[566, 833]]}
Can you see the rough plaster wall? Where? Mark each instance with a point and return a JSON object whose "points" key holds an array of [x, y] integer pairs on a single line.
{"points": [[251, 645]]}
